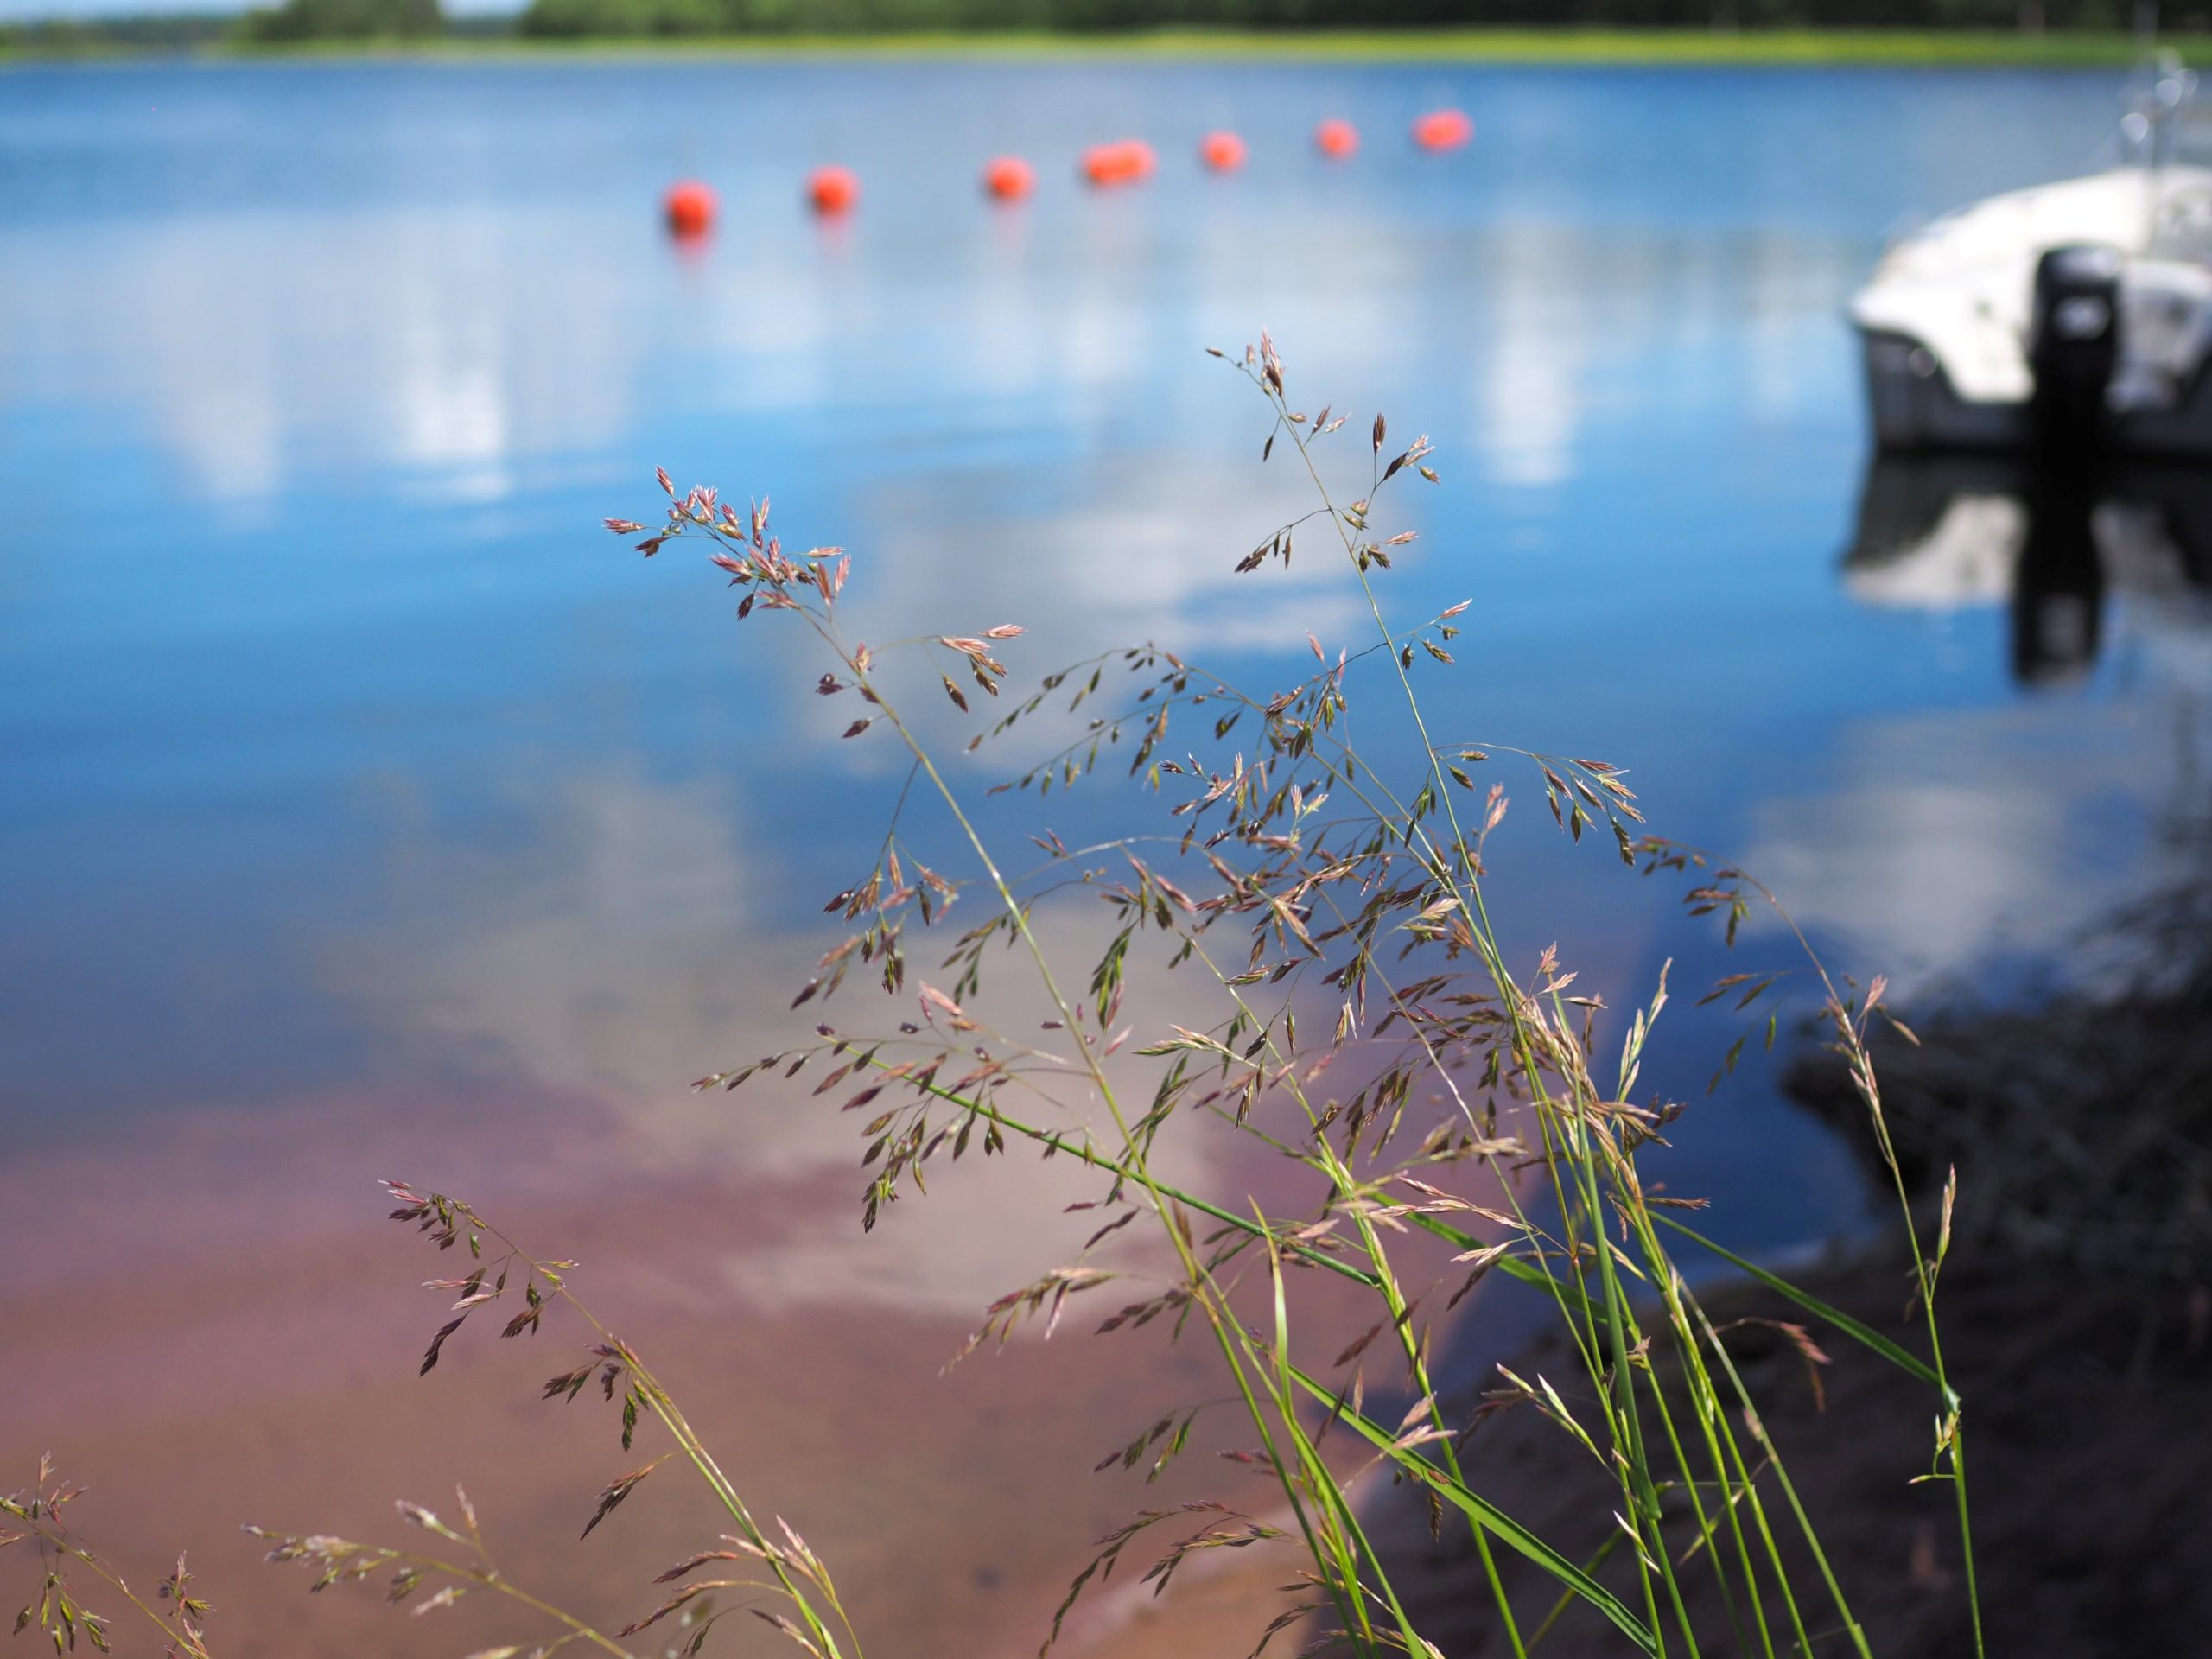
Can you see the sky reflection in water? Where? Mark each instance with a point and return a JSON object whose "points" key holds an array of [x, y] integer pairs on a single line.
{"points": [[345, 757]]}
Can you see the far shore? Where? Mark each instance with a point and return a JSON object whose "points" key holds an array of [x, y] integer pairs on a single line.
{"points": [[1685, 48]]}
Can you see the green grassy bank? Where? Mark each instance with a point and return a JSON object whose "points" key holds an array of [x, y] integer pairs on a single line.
{"points": [[1685, 48]]}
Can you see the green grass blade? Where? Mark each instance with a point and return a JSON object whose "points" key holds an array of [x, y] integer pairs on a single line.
{"points": [[1858, 1331], [1496, 1520]]}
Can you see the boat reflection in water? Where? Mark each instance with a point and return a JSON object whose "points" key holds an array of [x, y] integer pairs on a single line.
{"points": [[1943, 533]]}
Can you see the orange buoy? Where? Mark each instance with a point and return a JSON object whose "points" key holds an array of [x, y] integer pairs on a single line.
{"points": [[1443, 129], [689, 207], [833, 190], [1123, 161], [1336, 138], [1008, 178], [1222, 151]]}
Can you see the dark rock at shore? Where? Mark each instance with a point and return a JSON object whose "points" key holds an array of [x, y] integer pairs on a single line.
{"points": [[2086, 1459], [2081, 1124]]}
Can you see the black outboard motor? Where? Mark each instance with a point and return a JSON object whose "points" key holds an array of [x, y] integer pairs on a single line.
{"points": [[2072, 348]]}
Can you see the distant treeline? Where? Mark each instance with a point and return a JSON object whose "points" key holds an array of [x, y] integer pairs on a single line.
{"points": [[635, 18], [307, 21], [347, 19], [295, 20], [69, 35]]}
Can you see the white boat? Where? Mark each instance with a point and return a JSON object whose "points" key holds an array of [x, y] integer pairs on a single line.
{"points": [[2078, 313]]}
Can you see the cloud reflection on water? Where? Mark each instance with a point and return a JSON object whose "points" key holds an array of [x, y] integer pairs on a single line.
{"points": [[1936, 840]]}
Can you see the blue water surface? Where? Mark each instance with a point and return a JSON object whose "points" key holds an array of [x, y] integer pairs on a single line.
{"points": [[340, 753]]}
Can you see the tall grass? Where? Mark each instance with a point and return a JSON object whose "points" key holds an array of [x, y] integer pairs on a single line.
{"points": [[1351, 1008]]}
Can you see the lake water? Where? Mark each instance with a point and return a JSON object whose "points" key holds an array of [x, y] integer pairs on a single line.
{"points": [[365, 810]]}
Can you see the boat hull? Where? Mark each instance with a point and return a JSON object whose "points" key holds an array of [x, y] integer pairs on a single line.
{"points": [[1914, 408]]}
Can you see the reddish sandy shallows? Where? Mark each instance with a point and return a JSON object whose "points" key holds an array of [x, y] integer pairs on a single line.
{"points": [[212, 1324]]}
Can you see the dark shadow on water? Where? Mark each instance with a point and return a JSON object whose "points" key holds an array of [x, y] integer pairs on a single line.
{"points": [[2053, 539]]}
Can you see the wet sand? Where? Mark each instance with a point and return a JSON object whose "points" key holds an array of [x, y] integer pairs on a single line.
{"points": [[200, 1356], [201, 1353]]}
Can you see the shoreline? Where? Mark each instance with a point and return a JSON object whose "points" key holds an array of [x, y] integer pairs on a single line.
{"points": [[1504, 47], [2086, 1467]]}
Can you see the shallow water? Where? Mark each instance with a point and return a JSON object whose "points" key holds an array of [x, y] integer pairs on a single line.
{"points": [[365, 802]]}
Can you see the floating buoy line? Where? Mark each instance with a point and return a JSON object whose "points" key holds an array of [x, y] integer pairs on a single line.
{"points": [[690, 206], [833, 190], [1126, 161], [1008, 178], [1443, 129]]}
